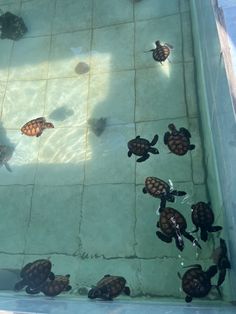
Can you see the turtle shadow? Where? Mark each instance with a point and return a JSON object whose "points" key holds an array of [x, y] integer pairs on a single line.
{"points": [[61, 113]]}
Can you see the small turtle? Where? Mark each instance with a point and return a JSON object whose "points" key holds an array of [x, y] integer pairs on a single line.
{"points": [[178, 141], [12, 26], [161, 52], [160, 189], [5, 155], [35, 127], [109, 287], [203, 218], [173, 225], [220, 258], [141, 147], [34, 275], [196, 282], [51, 288]]}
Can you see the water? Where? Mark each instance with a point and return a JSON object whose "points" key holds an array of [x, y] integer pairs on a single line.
{"points": [[73, 195]]}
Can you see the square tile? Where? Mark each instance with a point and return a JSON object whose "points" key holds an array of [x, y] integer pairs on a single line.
{"points": [[61, 157], [23, 162], [107, 160], [160, 96], [103, 217], [184, 5], [66, 54], [30, 97], [190, 89], [38, 15], [64, 210], [112, 96], [122, 12], [187, 36], [2, 93], [155, 8], [6, 47], [165, 165], [15, 208], [66, 101], [72, 15], [113, 48], [30, 59], [167, 30]]}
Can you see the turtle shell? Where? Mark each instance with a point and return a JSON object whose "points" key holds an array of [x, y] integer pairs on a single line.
{"points": [[178, 143], [56, 286], [168, 217], [139, 146], [35, 127], [202, 215], [156, 187], [34, 274], [111, 285], [161, 52], [196, 283]]}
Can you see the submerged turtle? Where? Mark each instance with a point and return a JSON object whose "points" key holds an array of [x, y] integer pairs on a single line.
{"points": [[141, 147], [35, 127], [196, 283], [54, 287], [220, 257], [161, 52], [160, 189], [173, 225], [178, 141], [109, 287], [34, 275], [12, 26], [5, 155], [203, 218]]}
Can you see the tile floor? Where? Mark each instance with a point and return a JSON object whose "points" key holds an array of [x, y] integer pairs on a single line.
{"points": [[73, 196]]}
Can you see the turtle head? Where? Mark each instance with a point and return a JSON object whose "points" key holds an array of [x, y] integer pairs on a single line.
{"points": [[172, 127], [94, 293], [49, 125], [157, 43]]}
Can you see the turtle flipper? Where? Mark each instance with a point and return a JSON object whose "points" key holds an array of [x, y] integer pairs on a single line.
{"points": [[188, 299], [166, 137], [7, 166], [196, 230], [68, 288], [163, 237], [185, 132], [39, 134], [154, 141], [178, 193], [179, 242], [143, 158], [221, 278], [19, 285], [212, 270], [162, 204], [129, 153], [126, 290], [191, 146], [204, 234], [31, 291], [214, 228], [51, 276], [144, 190], [153, 150], [191, 238]]}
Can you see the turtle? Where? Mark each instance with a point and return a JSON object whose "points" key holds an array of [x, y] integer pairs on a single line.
{"points": [[34, 275], [5, 155], [178, 140], [109, 287], [196, 283], [12, 26], [51, 288], [161, 52], [221, 259], [203, 218], [141, 147], [173, 225], [160, 189], [35, 127]]}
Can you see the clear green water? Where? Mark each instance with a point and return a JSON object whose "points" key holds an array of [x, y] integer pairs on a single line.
{"points": [[76, 197]]}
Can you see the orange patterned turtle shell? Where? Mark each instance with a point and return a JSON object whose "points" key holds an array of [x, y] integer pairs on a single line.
{"points": [[35, 127], [51, 288]]}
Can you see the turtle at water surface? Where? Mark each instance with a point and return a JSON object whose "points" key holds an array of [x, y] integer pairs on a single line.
{"points": [[35, 127], [160, 189], [161, 52], [141, 147], [173, 225], [5, 155], [51, 288], [178, 141], [12, 26], [109, 287], [203, 218], [34, 275], [196, 283]]}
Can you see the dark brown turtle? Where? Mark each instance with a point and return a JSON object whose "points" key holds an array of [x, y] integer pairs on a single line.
{"points": [[160, 189], [173, 225], [109, 287], [51, 288], [12, 26], [203, 218], [196, 283], [221, 259], [178, 140], [161, 52], [141, 147], [34, 275], [35, 127]]}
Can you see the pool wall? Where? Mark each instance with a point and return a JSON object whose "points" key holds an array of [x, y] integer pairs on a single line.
{"points": [[217, 119]]}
